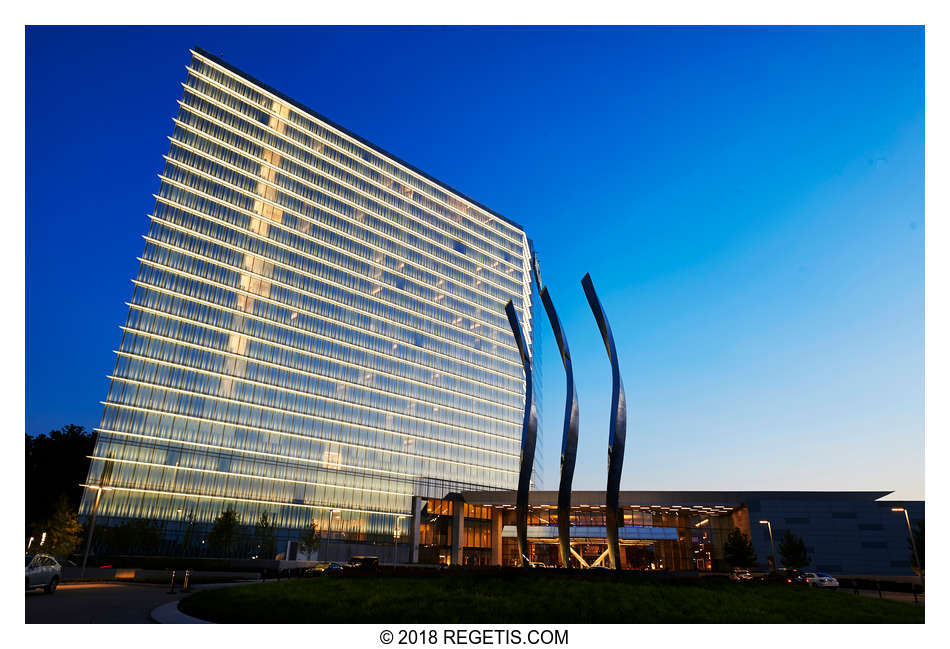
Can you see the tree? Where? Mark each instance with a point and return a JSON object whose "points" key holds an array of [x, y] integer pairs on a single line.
{"points": [[310, 541], [919, 539], [56, 464], [63, 530], [739, 551], [223, 531], [793, 551], [134, 536], [264, 531], [188, 541]]}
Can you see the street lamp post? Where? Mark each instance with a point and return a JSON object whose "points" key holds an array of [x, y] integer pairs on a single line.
{"points": [[913, 542], [92, 525], [771, 543], [330, 528], [396, 534]]}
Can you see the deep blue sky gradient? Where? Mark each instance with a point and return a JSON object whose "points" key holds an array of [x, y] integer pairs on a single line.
{"points": [[748, 201]]}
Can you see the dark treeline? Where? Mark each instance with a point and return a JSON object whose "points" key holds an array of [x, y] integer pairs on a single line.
{"points": [[56, 466]]}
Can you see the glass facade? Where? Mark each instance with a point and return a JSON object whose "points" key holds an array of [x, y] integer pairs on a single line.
{"points": [[316, 331]]}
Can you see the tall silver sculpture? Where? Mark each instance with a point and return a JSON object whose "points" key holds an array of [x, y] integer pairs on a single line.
{"points": [[569, 436], [529, 437], [618, 426]]}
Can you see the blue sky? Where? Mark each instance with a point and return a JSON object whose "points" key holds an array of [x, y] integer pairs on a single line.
{"points": [[748, 201]]}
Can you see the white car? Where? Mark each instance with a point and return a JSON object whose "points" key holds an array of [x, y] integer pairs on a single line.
{"points": [[740, 574], [43, 571], [821, 580]]}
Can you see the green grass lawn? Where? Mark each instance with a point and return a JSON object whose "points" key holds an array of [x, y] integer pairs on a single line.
{"points": [[534, 597]]}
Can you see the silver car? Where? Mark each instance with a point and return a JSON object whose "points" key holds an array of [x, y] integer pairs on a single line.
{"points": [[821, 580], [43, 571]]}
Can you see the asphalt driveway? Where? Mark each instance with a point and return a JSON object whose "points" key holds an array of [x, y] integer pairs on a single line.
{"points": [[96, 603]]}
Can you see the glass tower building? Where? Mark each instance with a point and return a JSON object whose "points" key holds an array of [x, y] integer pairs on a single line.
{"points": [[316, 331]]}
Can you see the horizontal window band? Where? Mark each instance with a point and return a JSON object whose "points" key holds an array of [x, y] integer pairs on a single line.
{"points": [[330, 210], [290, 413], [323, 242], [181, 186], [337, 249], [244, 500], [201, 258], [499, 342], [344, 136], [235, 189], [266, 128], [492, 261], [290, 348], [484, 259], [246, 476], [243, 193], [317, 316], [299, 271], [342, 402], [287, 327], [291, 369], [239, 451]]}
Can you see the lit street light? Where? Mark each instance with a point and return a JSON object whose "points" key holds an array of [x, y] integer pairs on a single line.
{"points": [[913, 542], [771, 543], [396, 532], [92, 525]]}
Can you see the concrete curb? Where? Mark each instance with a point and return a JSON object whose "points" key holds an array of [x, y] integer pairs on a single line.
{"points": [[169, 614]]}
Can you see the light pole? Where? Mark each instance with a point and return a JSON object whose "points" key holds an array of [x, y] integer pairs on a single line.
{"points": [[913, 542], [92, 525], [771, 543], [330, 530], [396, 533]]}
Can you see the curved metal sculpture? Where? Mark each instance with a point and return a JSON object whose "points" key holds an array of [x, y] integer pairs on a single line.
{"points": [[569, 436], [618, 426], [529, 437]]}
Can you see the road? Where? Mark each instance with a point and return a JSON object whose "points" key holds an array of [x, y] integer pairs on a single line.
{"points": [[96, 603]]}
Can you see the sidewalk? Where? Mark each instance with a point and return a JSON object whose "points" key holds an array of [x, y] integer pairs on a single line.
{"points": [[885, 594]]}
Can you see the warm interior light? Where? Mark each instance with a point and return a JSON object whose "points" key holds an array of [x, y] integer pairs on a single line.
{"points": [[897, 509]]}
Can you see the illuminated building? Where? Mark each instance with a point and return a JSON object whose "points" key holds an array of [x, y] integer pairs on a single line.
{"points": [[845, 532], [316, 331]]}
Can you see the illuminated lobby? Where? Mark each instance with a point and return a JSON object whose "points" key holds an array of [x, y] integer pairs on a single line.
{"points": [[847, 532]]}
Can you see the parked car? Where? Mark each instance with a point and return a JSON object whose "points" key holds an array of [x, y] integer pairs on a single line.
{"points": [[782, 577], [313, 571], [795, 576], [740, 574], [333, 569], [43, 571], [821, 580], [362, 564]]}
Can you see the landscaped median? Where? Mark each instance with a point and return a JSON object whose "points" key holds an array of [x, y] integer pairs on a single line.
{"points": [[535, 597]]}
